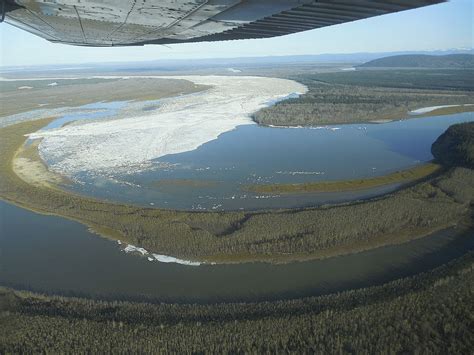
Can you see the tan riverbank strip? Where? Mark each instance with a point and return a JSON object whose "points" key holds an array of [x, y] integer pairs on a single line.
{"points": [[398, 177]]}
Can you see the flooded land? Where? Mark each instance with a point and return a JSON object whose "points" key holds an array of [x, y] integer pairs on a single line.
{"points": [[56, 93], [202, 151], [181, 212], [185, 186], [275, 236]]}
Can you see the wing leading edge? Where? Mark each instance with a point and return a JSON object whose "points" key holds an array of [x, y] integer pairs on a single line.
{"points": [[140, 22]]}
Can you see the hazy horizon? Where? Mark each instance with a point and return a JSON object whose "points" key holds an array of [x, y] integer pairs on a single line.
{"points": [[438, 27], [323, 58]]}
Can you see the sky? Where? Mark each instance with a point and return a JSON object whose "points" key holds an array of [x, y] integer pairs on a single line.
{"points": [[438, 27]]}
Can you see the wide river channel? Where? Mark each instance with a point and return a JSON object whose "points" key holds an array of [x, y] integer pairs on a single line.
{"points": [[54, 255]]}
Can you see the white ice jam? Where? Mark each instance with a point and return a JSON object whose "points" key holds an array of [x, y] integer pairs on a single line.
{"points": [[179, 124]]}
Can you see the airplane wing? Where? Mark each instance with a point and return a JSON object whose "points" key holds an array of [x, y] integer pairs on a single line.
{"points": [[140, 22]]}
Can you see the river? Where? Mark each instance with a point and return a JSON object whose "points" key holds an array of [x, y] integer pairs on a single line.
{"points": [[215, 175], [53, 255]]}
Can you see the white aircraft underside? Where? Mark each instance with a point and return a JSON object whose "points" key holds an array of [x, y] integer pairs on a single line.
{"points": [[139, 22]]}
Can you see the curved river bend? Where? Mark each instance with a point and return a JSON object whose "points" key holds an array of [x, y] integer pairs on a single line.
{"points": [[55, 255]]}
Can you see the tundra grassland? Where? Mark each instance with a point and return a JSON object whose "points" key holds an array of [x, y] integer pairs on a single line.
{"points": [[77, 92]]}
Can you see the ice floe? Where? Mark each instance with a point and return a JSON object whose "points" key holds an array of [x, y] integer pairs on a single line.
{"points": [[178, 125], [329, 128], [300, 172], [158, 257], [133, 249], [424, 110], [170, 259]]}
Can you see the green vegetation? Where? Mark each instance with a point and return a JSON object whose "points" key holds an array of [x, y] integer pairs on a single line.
{"points": [[276, 236], [446, 80], [371, 95], [451, 61], [404, 176], [455, 147], [427, 313]]}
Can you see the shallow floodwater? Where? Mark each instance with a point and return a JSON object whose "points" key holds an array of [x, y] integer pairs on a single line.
{"points": [[55, 255], [215, 175], [92, 111]]}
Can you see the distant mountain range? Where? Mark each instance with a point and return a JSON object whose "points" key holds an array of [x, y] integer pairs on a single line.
{"points": [[451, 61]]}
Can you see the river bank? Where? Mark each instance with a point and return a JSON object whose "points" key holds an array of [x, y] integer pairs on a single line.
{"points": [[79, 263], [229, 237], [432, 310]]}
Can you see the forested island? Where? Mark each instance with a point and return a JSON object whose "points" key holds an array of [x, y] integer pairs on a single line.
{"points": [[374, 95]]}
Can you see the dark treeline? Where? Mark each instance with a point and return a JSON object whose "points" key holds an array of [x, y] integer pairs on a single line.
{"points": [[422, 79], [451, 61], [455, 147], [368, 95], [428, 313]]}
